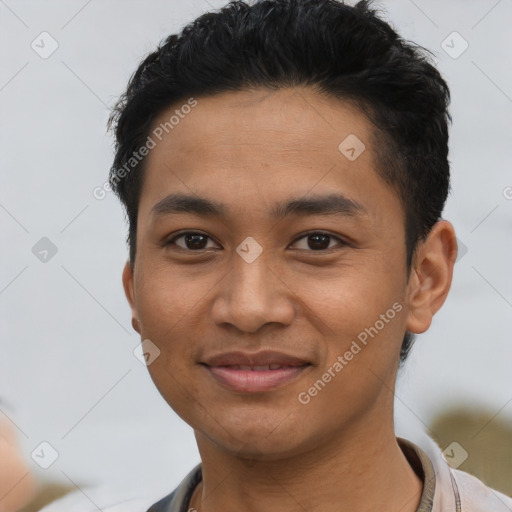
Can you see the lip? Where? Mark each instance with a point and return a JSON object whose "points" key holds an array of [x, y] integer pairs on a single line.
{"points": [[264, 357], [256, 372]]}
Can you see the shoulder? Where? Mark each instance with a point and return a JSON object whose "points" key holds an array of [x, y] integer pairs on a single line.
{"points": [[164, 504], [113, 498], [456, 490], [475, 496]]}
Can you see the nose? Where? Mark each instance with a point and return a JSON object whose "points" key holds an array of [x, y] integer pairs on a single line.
{"points": [[253, 295]]}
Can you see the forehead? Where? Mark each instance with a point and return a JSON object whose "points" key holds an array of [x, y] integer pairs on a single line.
{"points": [[261, 143], [295, 120]]}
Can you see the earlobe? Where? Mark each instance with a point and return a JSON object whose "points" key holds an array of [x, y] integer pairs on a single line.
{"points": [[129, 291], [431, 276]]}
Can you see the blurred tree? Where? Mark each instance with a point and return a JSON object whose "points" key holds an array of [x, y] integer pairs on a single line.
{"points": [[487, 439]]}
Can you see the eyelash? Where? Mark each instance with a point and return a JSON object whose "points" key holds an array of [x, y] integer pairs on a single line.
{"points": [[305, 235]]}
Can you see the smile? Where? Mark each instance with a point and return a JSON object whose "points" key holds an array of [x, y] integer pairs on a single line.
{"points": [[254, 379]]}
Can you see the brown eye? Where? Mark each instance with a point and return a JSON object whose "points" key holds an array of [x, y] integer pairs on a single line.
{"points": [[318, 241], [191, 241]]}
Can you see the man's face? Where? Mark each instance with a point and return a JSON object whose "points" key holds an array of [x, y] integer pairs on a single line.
{"points": [[212, 290]]}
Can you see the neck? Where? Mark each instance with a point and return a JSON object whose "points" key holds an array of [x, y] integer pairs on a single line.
{"points": [[363, 470]]}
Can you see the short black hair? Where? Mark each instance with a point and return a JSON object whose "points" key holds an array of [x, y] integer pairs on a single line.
{"points": [[343, 51]]}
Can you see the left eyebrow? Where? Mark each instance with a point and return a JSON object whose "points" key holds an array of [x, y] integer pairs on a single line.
{"points": [[330, 204]]}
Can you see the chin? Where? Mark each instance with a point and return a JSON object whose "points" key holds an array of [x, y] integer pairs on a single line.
{"points": [[260, 448], [256, 435]]}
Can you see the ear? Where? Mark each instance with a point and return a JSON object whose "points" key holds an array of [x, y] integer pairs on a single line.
{"points": [[129, 291], [431, 276]]}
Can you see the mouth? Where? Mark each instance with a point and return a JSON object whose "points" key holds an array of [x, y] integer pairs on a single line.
{"points": [[255, 373]]}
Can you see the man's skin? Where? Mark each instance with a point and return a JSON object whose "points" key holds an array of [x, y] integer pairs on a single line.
{"points": [[266, 451]]}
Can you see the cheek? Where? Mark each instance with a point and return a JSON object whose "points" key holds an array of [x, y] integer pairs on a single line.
{"points": [[170, 315], [167, 297], [362, 318], [358, 371], [177, 386], [347, 301]]}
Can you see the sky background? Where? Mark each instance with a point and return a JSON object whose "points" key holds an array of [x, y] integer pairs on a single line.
{"points": [[68, 374]]}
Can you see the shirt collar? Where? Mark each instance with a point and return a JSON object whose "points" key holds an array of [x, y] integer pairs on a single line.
{"points": [[178, 501], [423, 467]]}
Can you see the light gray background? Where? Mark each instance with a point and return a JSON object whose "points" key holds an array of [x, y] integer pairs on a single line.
{"points": [[67, 370]]}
